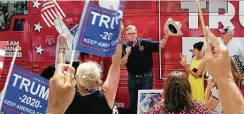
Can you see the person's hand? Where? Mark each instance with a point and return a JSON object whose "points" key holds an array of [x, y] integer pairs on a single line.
{"points": [[128, 50], [182, 57], [62, 40], [217, 58], [183, 60], [183, 63], [166, 34], [62, 89]]}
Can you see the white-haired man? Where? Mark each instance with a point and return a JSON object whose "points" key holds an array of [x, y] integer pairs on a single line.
{"points": [[236, 49], [137, 56]]}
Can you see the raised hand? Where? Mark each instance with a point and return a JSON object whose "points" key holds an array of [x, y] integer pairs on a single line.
{"points": [[62, 85]]}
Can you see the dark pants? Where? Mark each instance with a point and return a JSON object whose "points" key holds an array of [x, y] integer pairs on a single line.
{"points": [[135, 83]]}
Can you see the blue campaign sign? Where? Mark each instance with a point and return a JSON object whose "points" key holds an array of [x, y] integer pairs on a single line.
{"points": [[26, 93], [99, 31]]}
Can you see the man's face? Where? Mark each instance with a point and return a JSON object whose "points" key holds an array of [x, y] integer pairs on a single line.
{"points": [[131, 34], [225, 37]]}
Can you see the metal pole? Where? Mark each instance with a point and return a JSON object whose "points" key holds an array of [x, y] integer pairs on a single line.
{"points": [[159, 39]]}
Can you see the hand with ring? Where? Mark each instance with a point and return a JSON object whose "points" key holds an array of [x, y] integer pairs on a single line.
{"points": [[62, 85]]}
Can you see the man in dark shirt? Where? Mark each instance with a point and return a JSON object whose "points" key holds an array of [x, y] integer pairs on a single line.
{"points": [[137, 56]]}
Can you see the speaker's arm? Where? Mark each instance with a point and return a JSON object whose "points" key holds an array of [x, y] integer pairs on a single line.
{"points": [[164, 40]]}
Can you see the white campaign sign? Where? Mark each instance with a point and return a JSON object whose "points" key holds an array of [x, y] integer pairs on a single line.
{"points": [[62, 29]]}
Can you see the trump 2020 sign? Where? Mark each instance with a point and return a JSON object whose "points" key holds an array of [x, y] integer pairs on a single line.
{"points": [[99, 32], [26, 93]]}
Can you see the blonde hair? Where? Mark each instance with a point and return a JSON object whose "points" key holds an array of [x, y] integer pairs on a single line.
{"points": [[132, 27], [87, 76]]}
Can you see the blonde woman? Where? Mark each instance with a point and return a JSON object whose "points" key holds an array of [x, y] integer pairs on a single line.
{"points": [[93, 96]]}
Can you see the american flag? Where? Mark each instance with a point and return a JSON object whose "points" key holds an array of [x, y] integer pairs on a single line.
{"points": [[2, 54], [50, 11]]}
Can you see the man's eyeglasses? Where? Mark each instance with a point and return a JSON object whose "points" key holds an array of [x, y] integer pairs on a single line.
{"points": [[131, 33]]}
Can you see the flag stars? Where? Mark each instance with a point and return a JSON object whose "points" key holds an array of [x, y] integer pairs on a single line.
{"points": [[38, 80], [36, 4], [39, 50], [106, 50], [38, 27]]}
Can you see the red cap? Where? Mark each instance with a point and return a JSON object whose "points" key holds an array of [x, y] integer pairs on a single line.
{"points": [[69, 21]]}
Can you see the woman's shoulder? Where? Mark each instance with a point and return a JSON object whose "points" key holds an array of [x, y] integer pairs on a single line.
{"points": [[195, 102], [159, 107], [200, 107]]}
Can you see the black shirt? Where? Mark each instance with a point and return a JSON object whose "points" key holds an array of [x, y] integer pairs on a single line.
{"points": [[140, 59], [95, 103]]}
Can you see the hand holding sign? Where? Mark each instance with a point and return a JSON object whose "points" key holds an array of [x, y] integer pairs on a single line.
{"points": [[109, 4], [63, 30], [61, 48], [99, 30], [216, 55], [112, 5], [62, 85], [62, 40]]}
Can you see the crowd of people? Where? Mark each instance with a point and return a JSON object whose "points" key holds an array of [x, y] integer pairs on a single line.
{"points": [[7, 10], [184, 92]]}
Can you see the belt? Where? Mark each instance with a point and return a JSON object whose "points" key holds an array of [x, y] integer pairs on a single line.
{"points": [[142, 75], [67, 62]]}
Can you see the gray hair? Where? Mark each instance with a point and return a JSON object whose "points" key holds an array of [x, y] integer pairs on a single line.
{"points": [[87, 75], [132, 27]]}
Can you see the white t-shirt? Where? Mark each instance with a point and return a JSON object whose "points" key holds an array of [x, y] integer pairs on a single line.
{"points": [[218, 108], [236, 48], [71, 41]]}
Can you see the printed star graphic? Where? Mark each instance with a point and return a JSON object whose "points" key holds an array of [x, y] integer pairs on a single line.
{"points": [[38, 27], [36, 4], [39, 50]]}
